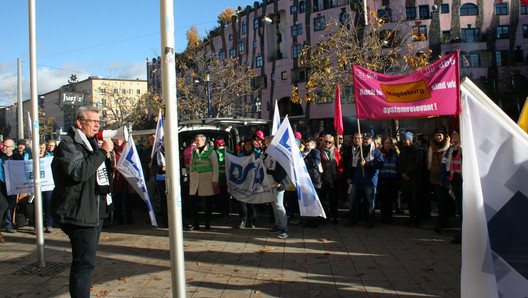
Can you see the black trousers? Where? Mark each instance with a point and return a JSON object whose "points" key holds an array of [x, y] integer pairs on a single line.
{"points": [[84, 242]]}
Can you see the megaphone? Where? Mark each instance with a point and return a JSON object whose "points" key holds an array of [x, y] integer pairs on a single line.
{"points": [[120, 134]]}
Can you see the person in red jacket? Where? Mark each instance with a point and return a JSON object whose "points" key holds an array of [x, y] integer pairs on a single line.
{"points": [[332, 170]]}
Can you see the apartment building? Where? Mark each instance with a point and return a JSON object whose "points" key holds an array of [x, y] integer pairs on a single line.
{"points": [[115, 98], [492, 37]]}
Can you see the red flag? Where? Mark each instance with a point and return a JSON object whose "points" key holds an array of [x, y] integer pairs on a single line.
{"points": [[525, 2], [338, 114]]}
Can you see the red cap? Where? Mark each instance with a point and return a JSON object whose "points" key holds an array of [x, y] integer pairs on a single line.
{"points": [[298, 135], [260, 134], [219, 143]]}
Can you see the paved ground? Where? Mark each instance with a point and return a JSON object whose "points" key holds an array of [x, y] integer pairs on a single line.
{"points": [[328, 261]]}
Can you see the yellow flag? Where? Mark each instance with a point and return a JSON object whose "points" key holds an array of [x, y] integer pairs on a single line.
{"points": [[523, 118]]}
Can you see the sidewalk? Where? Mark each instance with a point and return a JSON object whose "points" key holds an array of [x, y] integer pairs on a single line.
{"points": [[328, 261]]}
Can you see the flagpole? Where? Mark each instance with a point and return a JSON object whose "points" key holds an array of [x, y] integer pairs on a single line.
{"points": [[171, 149], [36, 137], [361, 146]]}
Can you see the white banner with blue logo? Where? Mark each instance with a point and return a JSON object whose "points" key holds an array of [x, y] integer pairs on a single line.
{"points": [[285, 151], [247, 180], [129, 166], [19, 176]]}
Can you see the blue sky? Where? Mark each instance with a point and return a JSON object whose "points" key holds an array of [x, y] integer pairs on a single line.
{"points": [[111, 39]]}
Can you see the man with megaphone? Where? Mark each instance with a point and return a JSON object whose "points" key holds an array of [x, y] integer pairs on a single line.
{"points": [[81, 196]]}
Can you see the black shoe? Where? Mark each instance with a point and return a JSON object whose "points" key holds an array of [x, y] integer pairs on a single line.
{"points": [[207, 227], [188, 228], [196, 227]]}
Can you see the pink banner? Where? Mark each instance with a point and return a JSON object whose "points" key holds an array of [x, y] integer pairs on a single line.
{"points": [[432, 91]]}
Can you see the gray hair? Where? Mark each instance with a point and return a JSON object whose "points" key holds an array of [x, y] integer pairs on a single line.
{"points": [[201, 136], [81, 112]]}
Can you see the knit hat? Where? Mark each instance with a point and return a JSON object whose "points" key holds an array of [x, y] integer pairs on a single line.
{"points": [[408, 136], [298, 135], [440, 129]]}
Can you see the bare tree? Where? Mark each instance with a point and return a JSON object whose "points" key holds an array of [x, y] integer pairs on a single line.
{"points": [[381, 46]]}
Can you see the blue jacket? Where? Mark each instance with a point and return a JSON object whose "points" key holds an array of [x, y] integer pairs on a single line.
{"points": [[372, 168]]}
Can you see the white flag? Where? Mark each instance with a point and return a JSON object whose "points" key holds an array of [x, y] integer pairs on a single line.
{"points": [[247, 179], [158, 141], [284, 150], [129, 165], [276, 120], [495, 203]]}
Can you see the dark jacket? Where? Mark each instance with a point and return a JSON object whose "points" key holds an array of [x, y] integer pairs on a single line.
{"points": [[278, 173], [312, 160], [74, 199], [410, 162], [368, 175]]}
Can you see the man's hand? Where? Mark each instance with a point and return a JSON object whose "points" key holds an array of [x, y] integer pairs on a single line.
{"points": [[405, 177], [349, 181], [107, 146], [363, 163]]}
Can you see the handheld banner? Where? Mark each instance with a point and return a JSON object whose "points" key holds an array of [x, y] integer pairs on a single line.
{"points": [[432, 91]]}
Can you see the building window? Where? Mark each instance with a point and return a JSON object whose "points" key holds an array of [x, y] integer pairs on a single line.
{"points": [[524, 9], [302, 7], [385, 14], [293, 9], [501, 57], [419, 33], [244, 28], [259, 61], [315, 5], [232, 53], [138, 91], [273, 77], [469, 9], [284, 75], [103, 91], [501, 9], [470, 59], [254, 44], [444, 8], [256, 23], [525, 30], [296, 51], [424, 11], [221, 55], [103, 102], [296, 29], [123, 91], [446, 36], [116, 91], [241, 46], [319, 23], [130, 91], [103, 112], [503, 32], [410, 13], [230, 36], [470, 34]]}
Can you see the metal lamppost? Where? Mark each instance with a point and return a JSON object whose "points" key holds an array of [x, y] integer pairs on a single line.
{"points": [[208, 80]]}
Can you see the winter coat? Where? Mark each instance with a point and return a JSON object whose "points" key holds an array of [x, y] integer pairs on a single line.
{"points": [[76, 198], [201, 184], [371, 168], [435, 153], [410, 163], [312, 160]]}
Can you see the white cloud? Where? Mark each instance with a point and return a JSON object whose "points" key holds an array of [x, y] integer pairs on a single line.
{"points": [[50, 79]]}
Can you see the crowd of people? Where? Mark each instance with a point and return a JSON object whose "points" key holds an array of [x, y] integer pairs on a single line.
{"points": [[362, 175]]}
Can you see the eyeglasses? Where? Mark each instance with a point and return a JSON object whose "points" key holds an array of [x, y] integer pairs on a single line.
{"points": [[328, 142], [91, 121]]}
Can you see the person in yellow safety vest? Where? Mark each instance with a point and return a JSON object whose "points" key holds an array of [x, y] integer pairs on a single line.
{"points": [[203, 180], [222, 199]]}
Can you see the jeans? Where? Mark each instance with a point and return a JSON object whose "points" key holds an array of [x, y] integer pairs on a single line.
{"points": [[362, 191], [3, 205], [414, 206], [207, 205], [11, 202], [281, 218], [46, 198], [84, 242]]}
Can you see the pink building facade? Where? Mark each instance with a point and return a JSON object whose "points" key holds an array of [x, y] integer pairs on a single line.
{"points": [[491, 35]]}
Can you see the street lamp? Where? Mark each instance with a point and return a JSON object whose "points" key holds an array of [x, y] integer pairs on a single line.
{"points": [[208, 79]]}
